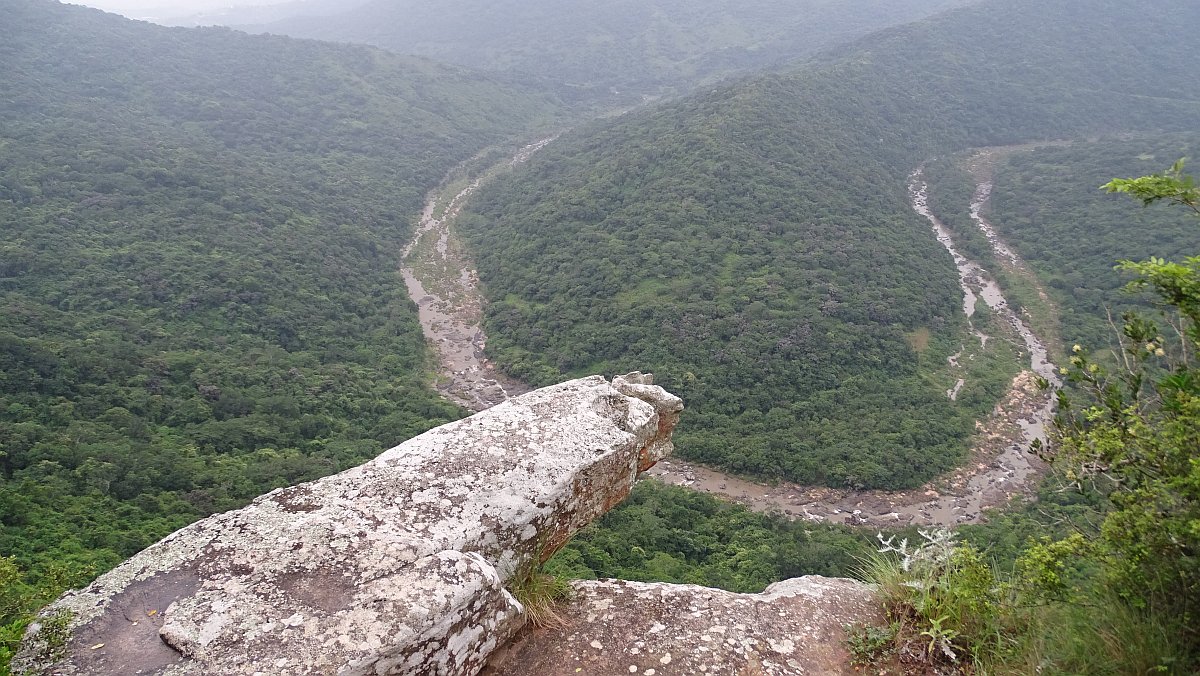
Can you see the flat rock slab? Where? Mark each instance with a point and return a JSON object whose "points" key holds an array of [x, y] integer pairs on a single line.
{"points": [[653, 629], [398, 566]]}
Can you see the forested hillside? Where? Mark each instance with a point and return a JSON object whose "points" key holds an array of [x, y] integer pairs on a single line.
{"points": [[754, 246], [671, 534], [1046, 206], [1072, 234], [198, 270], [637, 44]]}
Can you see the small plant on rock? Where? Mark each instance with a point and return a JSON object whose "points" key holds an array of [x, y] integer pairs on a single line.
{"points": [[943, 603], [540, 592], [542, 595], [870, 645]]}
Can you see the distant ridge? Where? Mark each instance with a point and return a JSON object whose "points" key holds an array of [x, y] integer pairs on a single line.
{"points": [[262, 14], [643, 45]]}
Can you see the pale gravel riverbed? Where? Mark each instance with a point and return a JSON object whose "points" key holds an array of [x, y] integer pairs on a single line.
{"points": [[445, 286], [443, 282]]}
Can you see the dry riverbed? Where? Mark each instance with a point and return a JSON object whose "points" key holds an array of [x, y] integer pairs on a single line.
{"points": [[442, 280], [999, 470]]}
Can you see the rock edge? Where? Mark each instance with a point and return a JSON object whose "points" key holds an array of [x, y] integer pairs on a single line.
{"points": [[397, 566]]}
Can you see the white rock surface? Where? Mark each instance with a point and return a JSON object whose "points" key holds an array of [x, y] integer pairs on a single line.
{"points": [[394, 567]]}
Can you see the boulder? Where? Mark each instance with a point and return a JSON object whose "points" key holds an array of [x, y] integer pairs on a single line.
{"points": [[398, 566]]}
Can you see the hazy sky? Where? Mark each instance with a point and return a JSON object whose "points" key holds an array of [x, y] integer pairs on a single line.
{"points": [[175, 6], [164, 9]]}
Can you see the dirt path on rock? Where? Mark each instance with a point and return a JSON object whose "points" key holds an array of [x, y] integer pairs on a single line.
{"points": [[442, 280]]}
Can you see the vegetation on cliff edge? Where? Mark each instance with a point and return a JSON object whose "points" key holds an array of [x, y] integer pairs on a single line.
{"points": [[1118, 595]]}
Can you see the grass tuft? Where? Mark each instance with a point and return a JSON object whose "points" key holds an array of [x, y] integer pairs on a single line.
{"points": [[543, 596]]}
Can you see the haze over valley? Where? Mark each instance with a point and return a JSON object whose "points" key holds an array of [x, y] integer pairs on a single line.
{"points": [[245, 246]]}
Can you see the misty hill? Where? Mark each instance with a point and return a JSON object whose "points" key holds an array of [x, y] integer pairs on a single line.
{"points": [[262, 14], [639, 44], [753, 245], [198, 273]]}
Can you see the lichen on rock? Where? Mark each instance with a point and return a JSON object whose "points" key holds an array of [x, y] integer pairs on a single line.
{"points": [[397, 566]]}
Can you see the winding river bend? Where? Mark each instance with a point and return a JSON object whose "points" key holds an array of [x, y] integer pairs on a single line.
{"points": [[442, 280], [976, 283]]}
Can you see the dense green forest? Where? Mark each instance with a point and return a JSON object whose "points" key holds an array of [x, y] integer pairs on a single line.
{"points": [[1046, 206], [670, 534], [198, 272], [643, 45], [1072, 234], [202, 228], [753, 245]]}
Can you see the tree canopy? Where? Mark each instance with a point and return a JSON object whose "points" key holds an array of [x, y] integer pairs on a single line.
{"points": [[754, 244], [199, 295]]}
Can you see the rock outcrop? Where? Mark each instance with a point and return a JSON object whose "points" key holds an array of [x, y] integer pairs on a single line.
{"points": [[398, 566], [652, 629]]}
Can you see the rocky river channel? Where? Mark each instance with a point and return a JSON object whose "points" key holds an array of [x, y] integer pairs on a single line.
{"points": [[1000, 468], [442, 280]]}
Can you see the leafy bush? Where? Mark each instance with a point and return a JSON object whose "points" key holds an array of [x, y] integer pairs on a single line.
{"points": [[944, 601]]}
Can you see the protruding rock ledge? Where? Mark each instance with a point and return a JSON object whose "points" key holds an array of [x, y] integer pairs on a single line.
{"points": [[648, 629], [394, 567]]}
